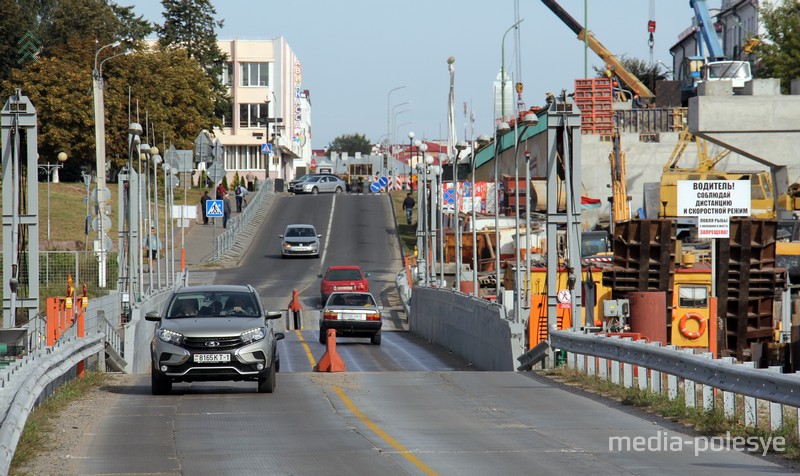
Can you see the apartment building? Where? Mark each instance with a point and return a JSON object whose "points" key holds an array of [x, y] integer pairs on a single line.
{"points": [[269, 104]]}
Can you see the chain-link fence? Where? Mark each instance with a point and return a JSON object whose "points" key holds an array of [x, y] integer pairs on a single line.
{"points": [[56, 267]]}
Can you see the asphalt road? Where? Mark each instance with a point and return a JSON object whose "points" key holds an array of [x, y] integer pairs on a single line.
{"points": [[404, 407]]}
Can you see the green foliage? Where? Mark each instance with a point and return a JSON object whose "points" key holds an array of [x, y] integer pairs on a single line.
{"points": [[189, 25], [350, 143], [236, 180], [164, 84], [646, 73], [779, 53], [225, 182]]}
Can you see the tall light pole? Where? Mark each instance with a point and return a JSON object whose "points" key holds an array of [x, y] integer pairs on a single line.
{"points": [[501, 129], [482, 141], [100, 151], [48, 168], [393, 118], [503, 71], [389, 129], [427, 161], [530, 120], [460, 147]]}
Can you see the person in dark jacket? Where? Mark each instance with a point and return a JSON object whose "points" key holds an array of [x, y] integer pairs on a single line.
{"points": [[408, 206], [206, 197], [226, 215]]}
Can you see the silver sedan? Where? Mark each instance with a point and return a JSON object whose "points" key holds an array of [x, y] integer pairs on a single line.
{"points": [[321, 184]]}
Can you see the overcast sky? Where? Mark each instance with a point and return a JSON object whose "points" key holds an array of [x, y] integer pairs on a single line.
{"points": [[355, 51]]}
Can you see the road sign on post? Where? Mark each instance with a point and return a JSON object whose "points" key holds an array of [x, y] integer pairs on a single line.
{"points": [[266, 149], [216, 172], [214, 209]]}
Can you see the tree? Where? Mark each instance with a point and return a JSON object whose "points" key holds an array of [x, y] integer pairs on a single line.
{"points": [[170, 88], [190, 25], [646, 73], [350, 143], [777, 55]]}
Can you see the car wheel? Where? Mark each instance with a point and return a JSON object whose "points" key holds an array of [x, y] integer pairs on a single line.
{"points": [[159, 385], [375, 339], [267, 385], [314, 191], [338, 189], [323, 336]]}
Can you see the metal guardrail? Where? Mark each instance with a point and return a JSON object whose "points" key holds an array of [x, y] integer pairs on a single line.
{"points": [[27, 380], [226, 240], [627, 361]]}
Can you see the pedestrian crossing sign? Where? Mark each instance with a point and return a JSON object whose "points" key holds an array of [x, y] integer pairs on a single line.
{"points": [[214, 209]]}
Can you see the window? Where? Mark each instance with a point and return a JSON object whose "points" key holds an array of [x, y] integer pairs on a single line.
{"points": [[227, 74], [693, 296], [253, 74], [253, 115]]}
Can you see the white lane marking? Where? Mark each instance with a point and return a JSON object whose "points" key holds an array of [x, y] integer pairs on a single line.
{"points": [[328, 233]]}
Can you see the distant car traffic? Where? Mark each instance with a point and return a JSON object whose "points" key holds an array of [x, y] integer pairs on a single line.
{"points": [[214, 332], [320, 184], [351, 314], [342, 278], [300, 240], [294, 182]]}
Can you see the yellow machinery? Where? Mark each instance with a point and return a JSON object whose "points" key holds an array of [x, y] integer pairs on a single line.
{"points": [[620, 207], [762, 191], [692, 306]]}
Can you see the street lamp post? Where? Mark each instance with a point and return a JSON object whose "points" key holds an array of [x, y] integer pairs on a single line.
{"points": [[389, 128], [48, 168], [482, 141], [501, 129], [100, 155], [87, 180], [460, 147], [156, 158], [503, 71], [530, 120], [167, 209], [430, 211], [394, 115]]}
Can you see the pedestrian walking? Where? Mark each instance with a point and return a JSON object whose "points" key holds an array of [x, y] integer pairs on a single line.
{"points": [[226, 214], [408, 206], [153, 245], [221, 191], [206, 197], [240, 192]]}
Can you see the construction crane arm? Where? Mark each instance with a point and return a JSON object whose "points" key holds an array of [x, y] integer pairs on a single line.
{"points": [[626, 76]]}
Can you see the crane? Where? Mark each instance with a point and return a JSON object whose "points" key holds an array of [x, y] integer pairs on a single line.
{"points": [[626, 76]]}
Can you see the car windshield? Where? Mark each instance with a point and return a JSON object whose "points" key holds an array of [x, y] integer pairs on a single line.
{"points": [[300, 232], [354, 300], [213, 304], [344, 275]]}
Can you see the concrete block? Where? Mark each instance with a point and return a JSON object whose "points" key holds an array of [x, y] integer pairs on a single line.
{"points": [[762, 87], [723, 87], [795, 89]]}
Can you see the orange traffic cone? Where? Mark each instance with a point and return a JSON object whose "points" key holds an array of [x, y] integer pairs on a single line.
{"points": [[330, 361]]}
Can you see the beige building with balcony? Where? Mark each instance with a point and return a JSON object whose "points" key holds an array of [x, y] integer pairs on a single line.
{"points": [[264, 78]]}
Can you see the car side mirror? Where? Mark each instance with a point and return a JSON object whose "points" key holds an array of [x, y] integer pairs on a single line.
{"points": [[280, 236], [271, 315], [152, 316], [279, 335], [367, 275], [319, 236], [320, 276]]}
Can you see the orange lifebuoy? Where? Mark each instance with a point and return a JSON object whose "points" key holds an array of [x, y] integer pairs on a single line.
{"points": [[701, 322]]}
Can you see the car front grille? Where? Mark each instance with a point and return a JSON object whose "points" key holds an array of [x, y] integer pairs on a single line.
{"points": [[212, 343]]}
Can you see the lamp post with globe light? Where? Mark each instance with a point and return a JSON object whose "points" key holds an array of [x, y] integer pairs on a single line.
{"points": [[460, 147], [156, 158], [502, 128], [48, 168]]}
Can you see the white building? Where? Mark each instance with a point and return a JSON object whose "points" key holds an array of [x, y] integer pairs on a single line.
{"points": [[265, 78]]}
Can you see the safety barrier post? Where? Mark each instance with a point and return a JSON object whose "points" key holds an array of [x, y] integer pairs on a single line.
{"points": [[330, 361]]}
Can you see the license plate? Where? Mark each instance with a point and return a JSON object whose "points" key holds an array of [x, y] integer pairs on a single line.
{"points": [[211, 358], [343, 288], [354, 317]]}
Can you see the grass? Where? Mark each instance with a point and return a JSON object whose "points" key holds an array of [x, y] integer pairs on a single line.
{"points": [[39, 425], [711, 423], [407, 233], [68, 212]]}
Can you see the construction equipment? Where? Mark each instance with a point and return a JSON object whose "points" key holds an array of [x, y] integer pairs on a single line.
{"points": [[620, 206], [636, 86], [714, 67]]}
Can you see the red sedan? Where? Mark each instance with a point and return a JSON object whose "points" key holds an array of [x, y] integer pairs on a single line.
{"points": [[342, 278]]}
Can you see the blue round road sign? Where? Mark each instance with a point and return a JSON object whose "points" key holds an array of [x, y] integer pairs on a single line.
{"points": [[375, 187], [383, 181]]}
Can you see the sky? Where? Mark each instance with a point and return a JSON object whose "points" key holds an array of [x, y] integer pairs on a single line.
{"points": [[355, 52]]}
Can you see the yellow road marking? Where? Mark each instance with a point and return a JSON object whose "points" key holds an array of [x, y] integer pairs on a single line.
{"points": [[310, 356], [405, 452]]}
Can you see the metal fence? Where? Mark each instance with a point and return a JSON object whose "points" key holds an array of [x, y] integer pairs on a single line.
{"points": [[225, 241], [697, 379]]}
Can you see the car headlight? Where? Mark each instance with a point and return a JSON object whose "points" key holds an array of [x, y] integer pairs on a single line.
{"points": [[254, 335], [287, 245], [169, 336]]}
